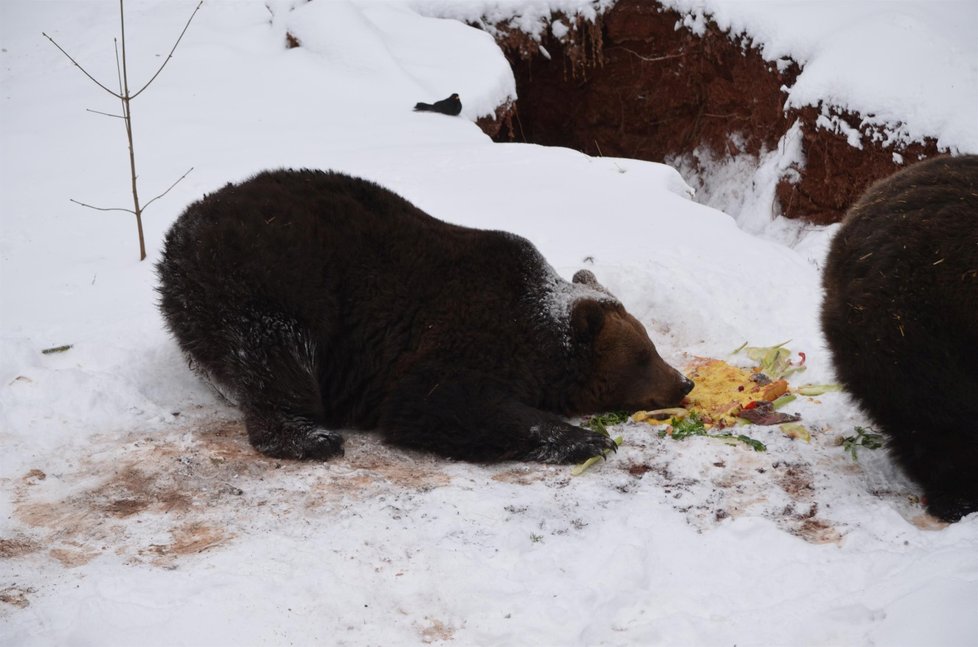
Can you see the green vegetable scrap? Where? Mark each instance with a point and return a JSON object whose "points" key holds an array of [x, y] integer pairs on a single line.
{"points": [[773, 361], [863, 438], [692, 425], [796, 431], [783, 400], [582, 467], [731, 439], [817, 389], [601, 421]]}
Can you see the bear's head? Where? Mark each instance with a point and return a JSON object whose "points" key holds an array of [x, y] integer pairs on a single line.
{"points": [[625, 370]]}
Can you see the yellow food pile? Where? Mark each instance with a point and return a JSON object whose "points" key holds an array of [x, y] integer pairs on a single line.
{"points": [[721, 392]]}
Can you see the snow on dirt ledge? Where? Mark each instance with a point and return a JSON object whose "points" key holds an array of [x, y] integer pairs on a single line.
{"points": [[531, 17], [896, 79], [911, 67], [134, 511]]}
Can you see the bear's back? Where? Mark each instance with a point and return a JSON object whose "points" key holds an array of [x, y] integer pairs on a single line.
{"points": [[285, 208], [913, 238], [351, 261], [295, 238]]}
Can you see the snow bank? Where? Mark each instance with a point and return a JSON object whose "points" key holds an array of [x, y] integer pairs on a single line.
{"points": [[387, 38]]}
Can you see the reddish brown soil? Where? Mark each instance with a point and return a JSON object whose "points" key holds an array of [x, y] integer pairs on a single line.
{"points": [[633, 85]]}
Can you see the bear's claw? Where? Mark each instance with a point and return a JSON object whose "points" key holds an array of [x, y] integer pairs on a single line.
{"points": [[322, 444], [566, 443], [297, 439]]}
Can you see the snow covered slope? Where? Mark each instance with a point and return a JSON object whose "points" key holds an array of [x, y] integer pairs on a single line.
{"points": [[133, 510]]}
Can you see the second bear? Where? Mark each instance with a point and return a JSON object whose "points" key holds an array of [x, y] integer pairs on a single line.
{"points": [[901, 317]]}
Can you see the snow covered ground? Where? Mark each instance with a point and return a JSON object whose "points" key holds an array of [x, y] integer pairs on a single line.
{"points": [[133, 510]]}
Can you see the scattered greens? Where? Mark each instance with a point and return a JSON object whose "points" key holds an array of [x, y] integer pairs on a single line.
{"points": [[730, 439], [773, 361], [582, 467], [692, 425], [601, 421], [863, 438], [817, 389], [796, 431], [783, 400]]}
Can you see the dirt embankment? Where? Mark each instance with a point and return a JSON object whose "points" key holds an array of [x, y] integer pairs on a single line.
{"points": [[632, 84]]}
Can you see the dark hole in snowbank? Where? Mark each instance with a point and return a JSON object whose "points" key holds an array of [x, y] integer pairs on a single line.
{"points": [[632, 84]]}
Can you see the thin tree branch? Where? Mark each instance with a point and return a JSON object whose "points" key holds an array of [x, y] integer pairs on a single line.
{"points": [[84, 71], [168, 190], [105, 114], [170, 55], [125, 96], [118, 67], [101, 208], [127, 111], [123, 88]]}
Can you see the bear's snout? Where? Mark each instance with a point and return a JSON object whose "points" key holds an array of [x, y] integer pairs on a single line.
{"points": [[678, 387], [663, 387]]}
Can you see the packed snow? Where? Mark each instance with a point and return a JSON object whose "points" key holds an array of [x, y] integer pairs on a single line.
{"points": [[135, 512]]}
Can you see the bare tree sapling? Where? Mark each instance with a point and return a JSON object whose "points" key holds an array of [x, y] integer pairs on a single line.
{"points": [[126, 97]]}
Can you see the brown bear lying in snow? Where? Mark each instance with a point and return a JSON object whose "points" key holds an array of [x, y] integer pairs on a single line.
{"points": [[326, 302], [901, 318]]}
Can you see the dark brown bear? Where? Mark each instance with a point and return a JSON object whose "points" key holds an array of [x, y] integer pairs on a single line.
{"points": [[326, 302], [901, 318]]}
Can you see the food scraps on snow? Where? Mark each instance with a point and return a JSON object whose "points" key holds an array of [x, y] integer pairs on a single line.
{"points": [[725, 395], [692, 425], [863, 438], [599, 423]]}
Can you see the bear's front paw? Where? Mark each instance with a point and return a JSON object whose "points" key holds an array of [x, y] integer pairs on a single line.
{"points": [[286, 437], [564, 443], [949, 507], [321, 444]]}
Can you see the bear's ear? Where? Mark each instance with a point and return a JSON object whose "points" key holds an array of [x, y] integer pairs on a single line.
{"points": [[587, 319], [586, 277]]}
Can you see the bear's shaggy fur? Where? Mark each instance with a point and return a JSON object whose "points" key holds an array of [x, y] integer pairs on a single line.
{"points": [[901, 317], [325, 302]]}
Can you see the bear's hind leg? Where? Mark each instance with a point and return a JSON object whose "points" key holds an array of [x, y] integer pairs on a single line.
{"points": [[271, 364]]}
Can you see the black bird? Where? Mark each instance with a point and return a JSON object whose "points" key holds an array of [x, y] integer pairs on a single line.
{"points": [[450, 106]]}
